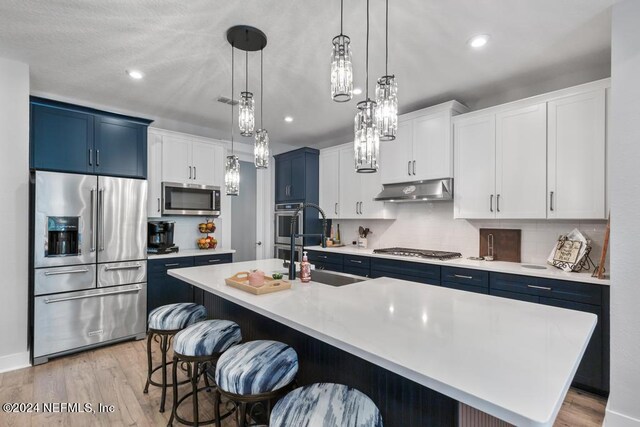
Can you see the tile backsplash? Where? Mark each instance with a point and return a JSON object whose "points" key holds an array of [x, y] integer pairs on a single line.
{"points": [[431, 226]]}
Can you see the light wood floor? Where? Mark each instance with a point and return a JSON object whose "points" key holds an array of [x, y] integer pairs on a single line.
{"points": [[116, 375]]}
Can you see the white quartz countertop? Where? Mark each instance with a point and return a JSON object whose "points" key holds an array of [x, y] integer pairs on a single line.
{"points": [[549, 272], [511, 359], [192, 252]]}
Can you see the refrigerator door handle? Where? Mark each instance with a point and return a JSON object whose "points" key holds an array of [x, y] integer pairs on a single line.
{"points": [[56, 273], [101, 217], [93, 220], [124, 267], [102, 294]]}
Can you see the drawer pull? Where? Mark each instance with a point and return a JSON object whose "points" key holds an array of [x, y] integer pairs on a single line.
{"points": [[175, 264], [56, 273], [215, 260], [357, 262], [123, 267], [322, 256], [461, 276], [544, 288], [49, 301]]}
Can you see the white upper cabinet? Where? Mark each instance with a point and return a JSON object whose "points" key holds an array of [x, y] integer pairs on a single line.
{"points": [[189, 161], [330, 182], [475, 167], [576, 156], [154, 174], [344, 193], [176, 159], [521, 162], [423, 147], [542, 157]]}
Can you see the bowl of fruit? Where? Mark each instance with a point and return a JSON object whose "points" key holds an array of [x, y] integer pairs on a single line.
{"points": [[207, 227], [208, 242]]}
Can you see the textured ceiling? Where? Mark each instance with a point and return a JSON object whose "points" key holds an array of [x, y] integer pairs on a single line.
{"points": [[80, 50]]}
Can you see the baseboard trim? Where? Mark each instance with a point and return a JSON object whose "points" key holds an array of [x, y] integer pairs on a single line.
{"points": [[14, 361], [615, 419]]}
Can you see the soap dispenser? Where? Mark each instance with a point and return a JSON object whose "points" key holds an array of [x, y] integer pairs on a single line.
{"points": [[305, 269]]}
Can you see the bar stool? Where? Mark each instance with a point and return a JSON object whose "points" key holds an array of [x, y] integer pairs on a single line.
{"points": [[325, 405], [163, 323], [199, 346], [255, 372]]}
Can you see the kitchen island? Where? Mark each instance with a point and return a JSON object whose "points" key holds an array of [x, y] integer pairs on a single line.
{"points": [[415, 349]]}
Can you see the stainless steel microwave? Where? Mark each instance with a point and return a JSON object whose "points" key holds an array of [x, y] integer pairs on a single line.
{"points": [[190, 199]]}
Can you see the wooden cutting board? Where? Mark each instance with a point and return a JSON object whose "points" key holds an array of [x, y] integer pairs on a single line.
{"points": [[506, 243], [241, 281]]}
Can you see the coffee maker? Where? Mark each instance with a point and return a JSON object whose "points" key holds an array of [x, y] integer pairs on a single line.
{"points": [[160, 237]]}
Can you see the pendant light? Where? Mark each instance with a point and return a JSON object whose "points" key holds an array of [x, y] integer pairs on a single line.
{"points": [[261, 146], [387, 95], [366, 136], [232, 166], [341, 67], [246, 117]]}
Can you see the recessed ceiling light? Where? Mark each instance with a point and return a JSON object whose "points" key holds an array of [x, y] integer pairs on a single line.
{"points": [[288, 119], [135, 74], [357, 91], [479, 41]]}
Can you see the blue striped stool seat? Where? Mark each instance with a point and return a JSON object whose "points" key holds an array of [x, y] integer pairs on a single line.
{"points": [[256, 367], [207, 338], [173, 317], [325, 405]]}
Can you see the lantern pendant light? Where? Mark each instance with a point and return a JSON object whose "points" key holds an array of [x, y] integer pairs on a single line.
{"points": [[341, 67], [261, 146], [387, 95], [366, 137], [246, 117], [232, 165]]}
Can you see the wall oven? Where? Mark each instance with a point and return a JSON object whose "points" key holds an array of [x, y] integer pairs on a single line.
{"points": [[190, 199], [283, 218]]}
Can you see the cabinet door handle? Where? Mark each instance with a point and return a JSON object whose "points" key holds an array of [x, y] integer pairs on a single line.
{"points": [[491, 203], [357, 262], [551, 201], [498, 203], [90, 157], [414, 167], [189, 172], [97, 157], [158, 204], [195, 171], [544, 288], [335, 208], [409, 167], [462, 276], [322, 256], [360, 208], [175, 264], [214, 260]]}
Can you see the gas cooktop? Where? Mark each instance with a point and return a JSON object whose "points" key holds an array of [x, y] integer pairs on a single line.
{"points": [[418, 253]]}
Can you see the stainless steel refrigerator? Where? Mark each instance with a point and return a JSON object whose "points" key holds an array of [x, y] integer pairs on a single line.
{"points": [[88, 281]]}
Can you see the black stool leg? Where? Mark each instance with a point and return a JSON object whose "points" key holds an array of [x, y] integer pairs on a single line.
{"points": [[150, 368], [205, 370], [194, 387], [216, 406], [164, 343], [243, 414], [174, 375]]}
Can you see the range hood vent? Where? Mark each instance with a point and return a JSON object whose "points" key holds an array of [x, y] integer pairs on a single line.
{"points": [[418, 191]]}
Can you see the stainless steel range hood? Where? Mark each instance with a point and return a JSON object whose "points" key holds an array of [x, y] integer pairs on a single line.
{"points": [[418, 191]]}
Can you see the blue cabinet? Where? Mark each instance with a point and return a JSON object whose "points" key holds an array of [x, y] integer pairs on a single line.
{"points": [[163, 289], [71, 138], [465, 279], [406, 270], [297, 174], [326, 260]]}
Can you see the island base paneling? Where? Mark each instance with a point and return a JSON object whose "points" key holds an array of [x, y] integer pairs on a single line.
{"points": [[401, 401]]}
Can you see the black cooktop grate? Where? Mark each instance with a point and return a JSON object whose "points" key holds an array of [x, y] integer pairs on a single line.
{"points": [[418, 253]]}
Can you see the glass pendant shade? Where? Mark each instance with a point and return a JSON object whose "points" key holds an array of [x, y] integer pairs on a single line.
{"points": [[246, 117], [232, 175], [261, 149], [341, 69], [387, 107], [366, 138]]}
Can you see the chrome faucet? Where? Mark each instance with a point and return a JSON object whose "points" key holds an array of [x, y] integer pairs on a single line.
{"points": [[292, 263]]}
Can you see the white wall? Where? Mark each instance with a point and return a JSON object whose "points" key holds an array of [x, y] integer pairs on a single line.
{"points": [[431, 226], [14, 213], [624, 402]]}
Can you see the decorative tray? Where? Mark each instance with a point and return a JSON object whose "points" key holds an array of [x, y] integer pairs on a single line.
{"points": [[241, 281]]}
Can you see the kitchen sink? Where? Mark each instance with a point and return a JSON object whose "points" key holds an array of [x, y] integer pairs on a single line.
{"points": [[333, 278]]}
